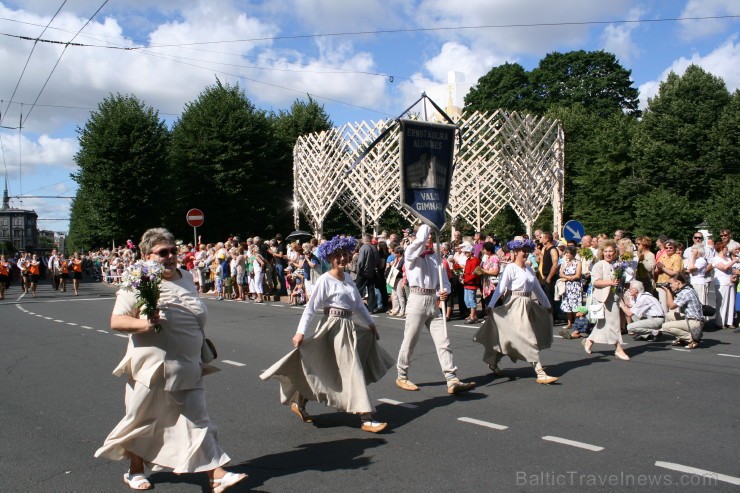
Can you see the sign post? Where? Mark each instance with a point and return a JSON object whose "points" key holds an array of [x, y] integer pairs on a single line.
{"points": [[195, 218]]}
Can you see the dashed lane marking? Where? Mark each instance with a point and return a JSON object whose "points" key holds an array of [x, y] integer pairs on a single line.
{"points": [[85, 327], [679, 349], [71, 323], [59, 321], [233, 363], [483, 423], [398, 403], [121, 335], [48, 318], [573, 443], [730, 355], [699, 472], [102, 331], [39, 315]]}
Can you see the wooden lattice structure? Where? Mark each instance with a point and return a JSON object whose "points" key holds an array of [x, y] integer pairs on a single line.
{"points": [[505, 158]]}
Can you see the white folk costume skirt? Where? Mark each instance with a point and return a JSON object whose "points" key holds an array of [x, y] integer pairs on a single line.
{"points": [[168, 429], [607, 330], [333, 366], [520, 329]]}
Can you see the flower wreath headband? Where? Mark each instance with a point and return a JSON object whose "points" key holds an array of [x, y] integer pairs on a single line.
{"points": [[335, 244], [520, 244]]}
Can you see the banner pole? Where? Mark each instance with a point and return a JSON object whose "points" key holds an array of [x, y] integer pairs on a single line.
{"points": [[440, 268]]}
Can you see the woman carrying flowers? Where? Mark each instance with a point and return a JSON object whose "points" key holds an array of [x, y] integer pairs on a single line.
{"points": [[520, 328], [606, 276], [335, 364], [166, 424]]}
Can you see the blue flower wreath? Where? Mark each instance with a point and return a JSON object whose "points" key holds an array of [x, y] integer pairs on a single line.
{"points": [[519, 244], [335, 244]]}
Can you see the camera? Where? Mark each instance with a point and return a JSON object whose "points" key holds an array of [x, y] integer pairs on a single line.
{"points": [[663, 285]]}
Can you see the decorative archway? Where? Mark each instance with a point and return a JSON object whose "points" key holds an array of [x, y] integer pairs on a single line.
{"points": [[506, 158]]}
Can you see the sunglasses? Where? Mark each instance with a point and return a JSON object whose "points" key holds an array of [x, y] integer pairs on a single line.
{"points": [[725, 234], [164, 252], [698, 237]]}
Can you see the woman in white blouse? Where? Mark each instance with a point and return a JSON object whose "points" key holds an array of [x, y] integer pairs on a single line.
{"points": [[724, 285], [519, 328], [335, 364]]}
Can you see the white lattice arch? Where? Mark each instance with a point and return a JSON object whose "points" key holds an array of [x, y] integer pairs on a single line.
{"points": [[505, 158]]}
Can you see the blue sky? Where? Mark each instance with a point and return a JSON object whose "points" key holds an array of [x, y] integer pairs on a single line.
{"points": [[270, 49]]}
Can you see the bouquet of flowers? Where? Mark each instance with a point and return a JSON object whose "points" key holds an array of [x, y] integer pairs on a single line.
{"points": [[586, 253], [457, 269], [143, 278], [619, 267], [626, 257]]}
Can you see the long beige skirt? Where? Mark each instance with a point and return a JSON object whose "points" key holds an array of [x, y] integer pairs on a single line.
{"points": [[333, 366], [520, 329], [606, 330], [169, 430]]}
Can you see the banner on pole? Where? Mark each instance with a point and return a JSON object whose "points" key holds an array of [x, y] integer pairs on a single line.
{"points": [[427, 151]]}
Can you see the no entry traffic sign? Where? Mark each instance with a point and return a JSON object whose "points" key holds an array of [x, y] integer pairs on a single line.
{"points": [[195, 217]]}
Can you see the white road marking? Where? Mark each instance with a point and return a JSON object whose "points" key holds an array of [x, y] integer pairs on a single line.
{"points": [[573, 443], [463, 326], [679, 349], [559, 337], [699, 472], [47, 318], [59, 321], [234, 363], [67, 300], [85, 327], [39, 315], [121, 335], [297, 307], [103, 331], [31, 313], [398, 403], [483, 423], [730, 355], [71, 323]]}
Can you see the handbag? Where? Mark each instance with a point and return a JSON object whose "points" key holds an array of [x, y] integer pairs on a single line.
{"points": [[596, 311], [208, 351], [393, 273]]}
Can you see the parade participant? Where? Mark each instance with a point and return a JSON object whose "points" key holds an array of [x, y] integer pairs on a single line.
{"points": [[24, 261], [4, 275], [34, 273], [53, 267], [63, 273], [519, 328], [335, 364], [422, 310], [166, 423], [76, 272], [607, 329]]}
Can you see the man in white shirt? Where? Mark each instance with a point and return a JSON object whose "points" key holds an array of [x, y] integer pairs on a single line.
{"points": [[53, 266], [422, 273], [646, 313]]}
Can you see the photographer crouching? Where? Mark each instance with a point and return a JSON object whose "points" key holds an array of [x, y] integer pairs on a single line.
{"points": [[684, 319]]}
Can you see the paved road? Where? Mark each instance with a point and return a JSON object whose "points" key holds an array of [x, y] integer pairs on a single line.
{"points": [[607, 425]]}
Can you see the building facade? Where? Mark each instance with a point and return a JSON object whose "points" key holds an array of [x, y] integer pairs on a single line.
{"points": [[18, 227]]}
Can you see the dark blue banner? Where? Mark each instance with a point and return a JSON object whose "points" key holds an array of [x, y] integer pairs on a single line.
{"points": [[427, 151]]}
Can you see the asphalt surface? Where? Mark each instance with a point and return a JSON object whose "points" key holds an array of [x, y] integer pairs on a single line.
{"points": [[665, 421]]}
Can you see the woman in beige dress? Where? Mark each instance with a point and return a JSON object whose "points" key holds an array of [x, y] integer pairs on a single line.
{"points": [[335, 364], [607, 329], [166, 425]]}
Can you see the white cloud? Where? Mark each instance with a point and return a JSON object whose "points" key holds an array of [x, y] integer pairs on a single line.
{"points": [[617, 38], [519, 40], [36, 154], [707, 8], [723, 61]]}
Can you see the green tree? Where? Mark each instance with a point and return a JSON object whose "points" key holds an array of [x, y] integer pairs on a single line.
{"points": [[722, 209], [506, 86], [122, 156], [594, 79], [304, 117], [663, 211], [674, 144], [221, 159]]}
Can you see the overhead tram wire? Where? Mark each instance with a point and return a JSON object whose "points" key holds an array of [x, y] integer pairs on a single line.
{"points": [[60, 59], [17, 84]]}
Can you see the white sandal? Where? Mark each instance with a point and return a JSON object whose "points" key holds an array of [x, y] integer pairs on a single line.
{"points": [[226, 482], [135, 481]]}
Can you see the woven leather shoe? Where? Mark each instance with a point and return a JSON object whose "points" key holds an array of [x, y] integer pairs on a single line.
{"points": [[373, 426], [547, 380], [406, 384], [455, 386], [301, 412]]}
